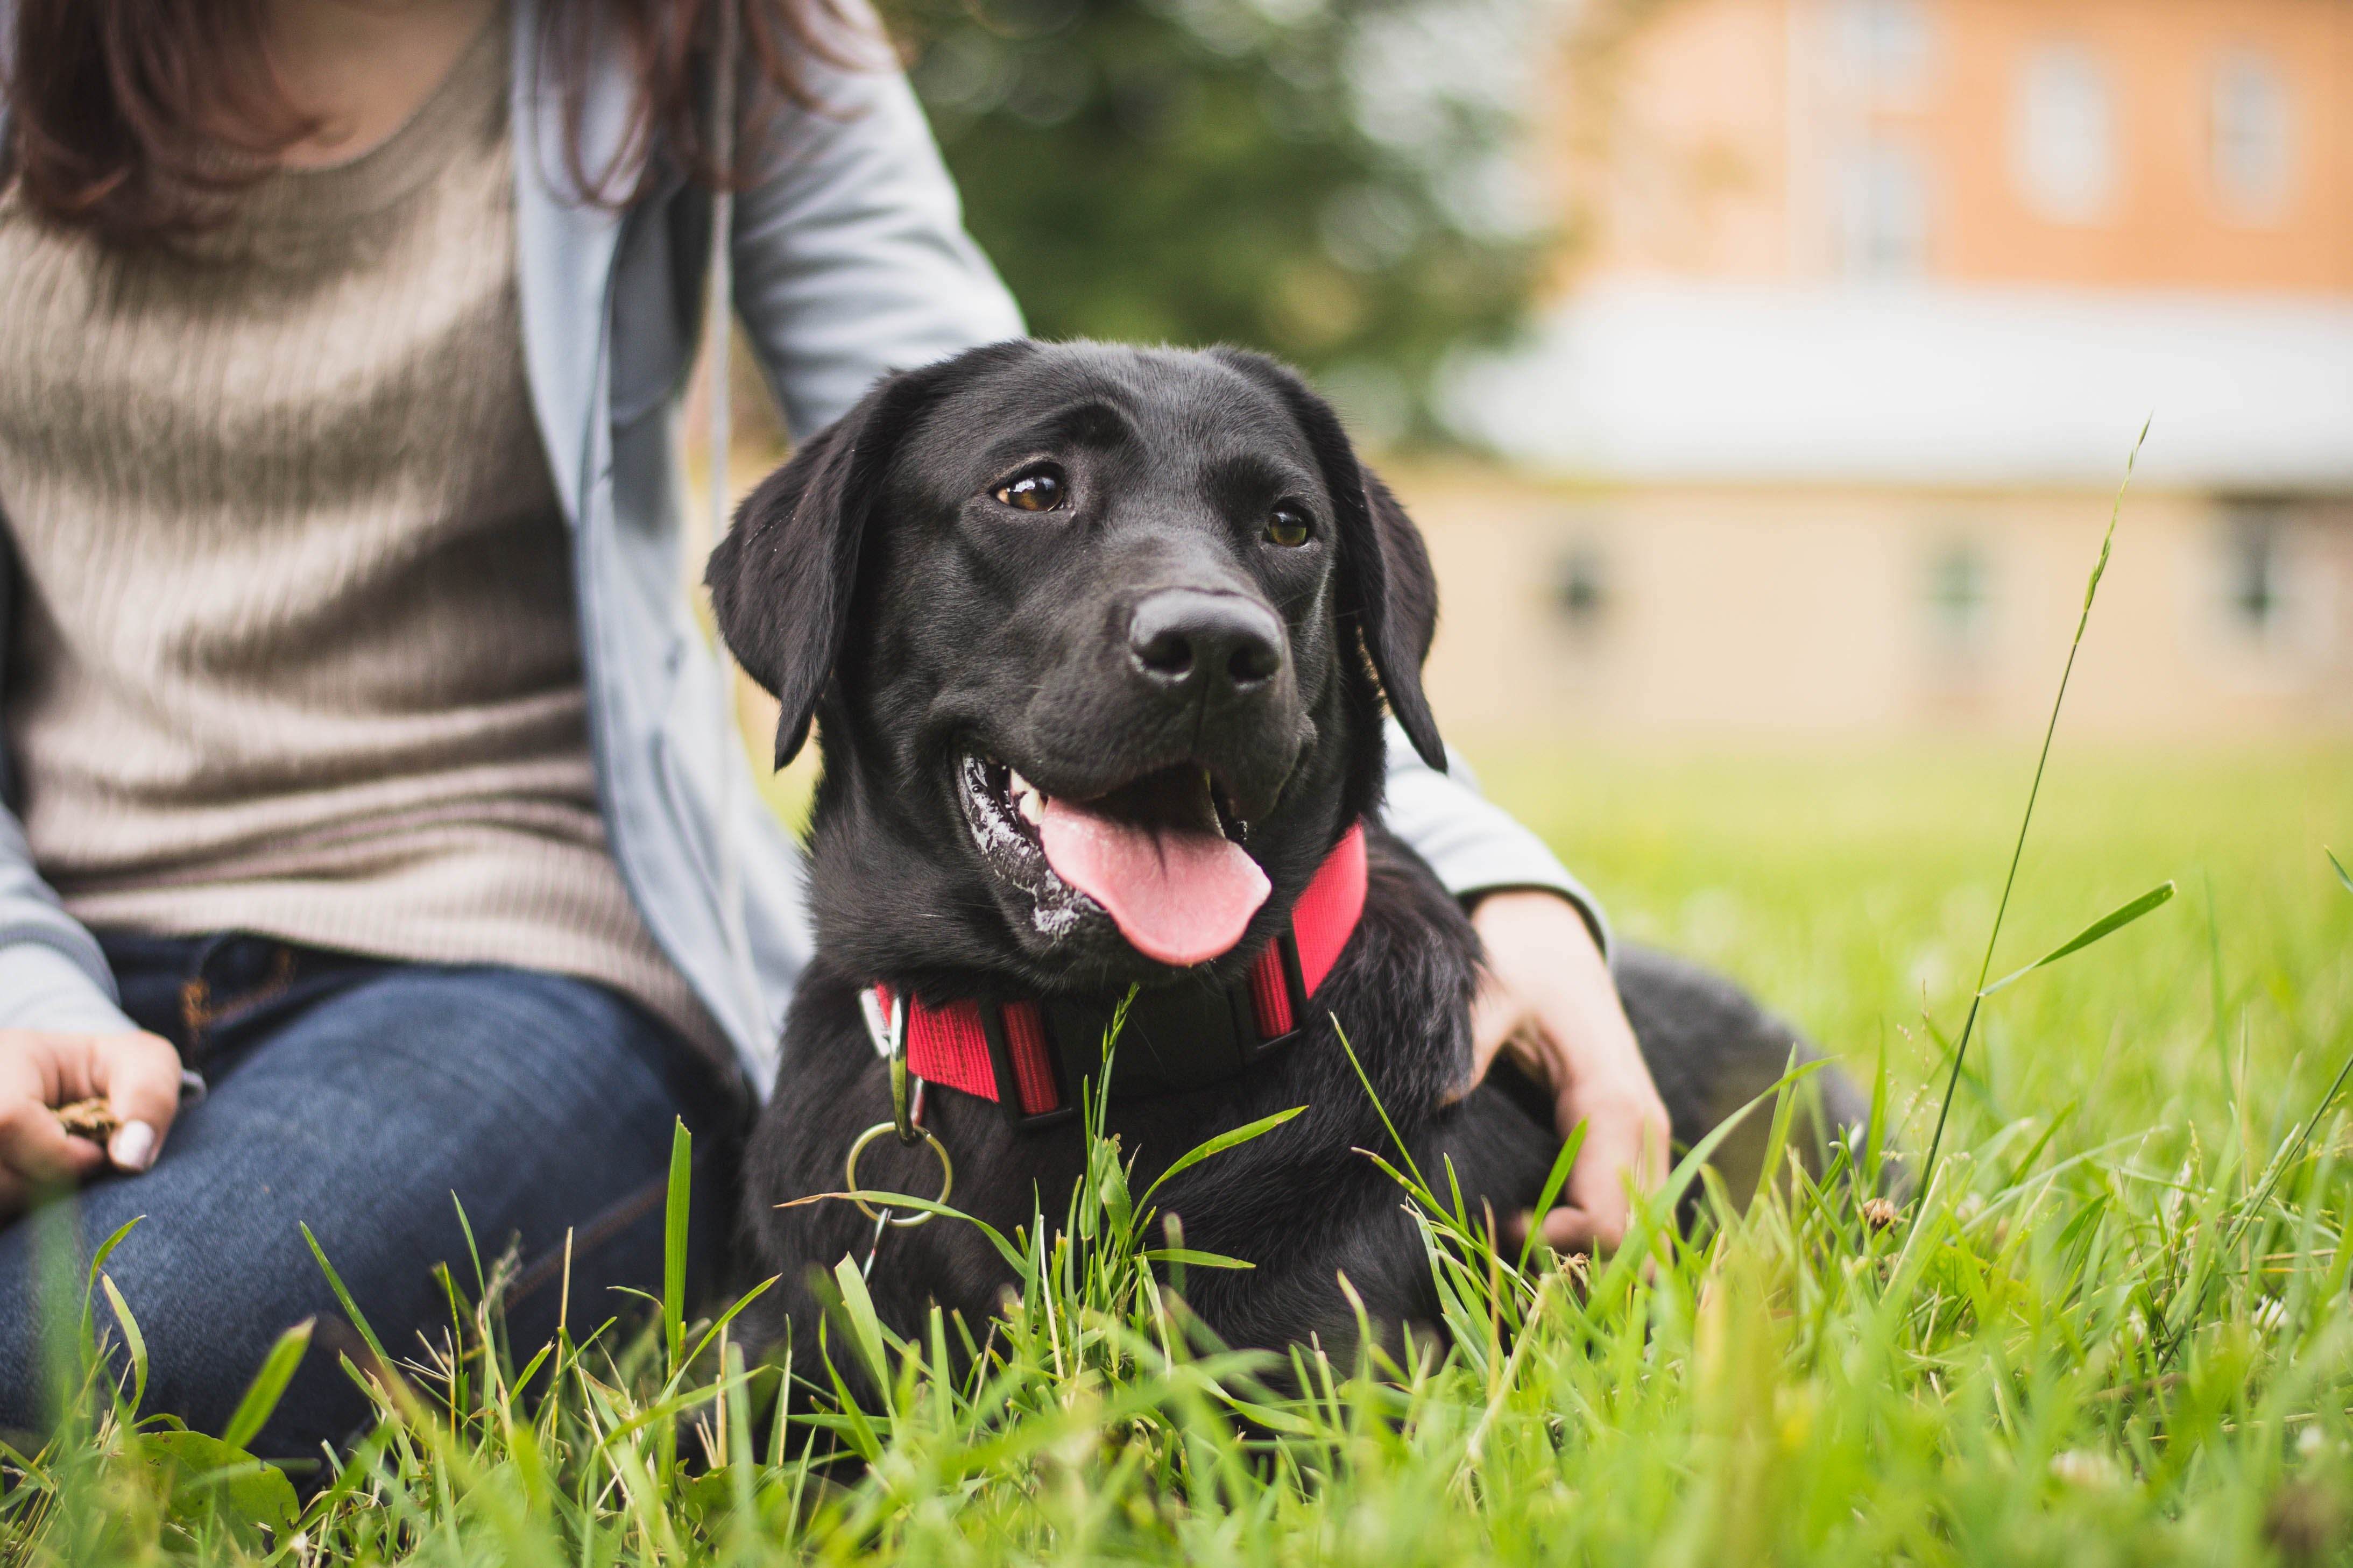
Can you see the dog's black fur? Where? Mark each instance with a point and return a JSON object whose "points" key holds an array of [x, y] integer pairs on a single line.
{"points": [[878, 584]]}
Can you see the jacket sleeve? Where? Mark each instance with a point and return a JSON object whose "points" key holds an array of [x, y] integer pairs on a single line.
{"points": [[849, 253], [52, 975], [1473, 845]]}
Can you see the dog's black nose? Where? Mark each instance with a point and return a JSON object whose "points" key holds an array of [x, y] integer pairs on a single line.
{"points": [[1184, 639]]}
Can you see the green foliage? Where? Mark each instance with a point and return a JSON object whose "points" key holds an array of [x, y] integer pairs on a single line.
{"points": [[2117, 1330], [1328, 180], [2114, 1326]]}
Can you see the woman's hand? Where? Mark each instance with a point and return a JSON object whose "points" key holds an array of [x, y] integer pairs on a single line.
{"points": [[1546, 997], [138, 1075]]}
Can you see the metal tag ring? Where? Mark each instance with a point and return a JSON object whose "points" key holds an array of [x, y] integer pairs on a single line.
{"points": [[849, 1171]]}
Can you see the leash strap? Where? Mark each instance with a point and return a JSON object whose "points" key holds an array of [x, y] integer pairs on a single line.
{"points": [[1028, 1055]]}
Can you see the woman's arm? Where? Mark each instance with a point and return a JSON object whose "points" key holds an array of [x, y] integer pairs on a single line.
{"points": [[1547, 998], [49, 968], [52, 975], [850, 257], [63, 1035]]}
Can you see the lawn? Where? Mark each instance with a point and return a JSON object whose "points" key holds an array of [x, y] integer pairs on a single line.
{"points": [[2114, 1329], [1855, 892]]}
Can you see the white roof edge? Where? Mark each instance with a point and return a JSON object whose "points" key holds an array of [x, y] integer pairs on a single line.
{"points": [[1926, 383]]}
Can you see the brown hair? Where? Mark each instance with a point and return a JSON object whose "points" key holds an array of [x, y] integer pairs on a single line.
{"points": [[138, 120]]}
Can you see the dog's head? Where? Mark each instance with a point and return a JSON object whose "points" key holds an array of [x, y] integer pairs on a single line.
{"points": [[1096, 638]]}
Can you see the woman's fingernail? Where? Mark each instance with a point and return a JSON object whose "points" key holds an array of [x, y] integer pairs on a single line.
{"points": [[134, 1148]]}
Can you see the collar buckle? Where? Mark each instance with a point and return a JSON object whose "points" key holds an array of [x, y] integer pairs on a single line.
{"points": [[1009, 1084]]}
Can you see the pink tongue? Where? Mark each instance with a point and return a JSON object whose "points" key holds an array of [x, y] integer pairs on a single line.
{"points": [[1180, 897]]}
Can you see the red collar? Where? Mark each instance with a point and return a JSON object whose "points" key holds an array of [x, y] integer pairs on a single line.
{"points": [[1178, 1037]]}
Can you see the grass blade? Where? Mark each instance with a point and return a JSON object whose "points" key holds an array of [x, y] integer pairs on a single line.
{"points": [[865, 1327], [1777, 1133], [719, 1325], [133, 1341], [2113, 921], [876, 1198], [1558, 1178], [1876, 1134], [2342, 875], [96, 1264], [1220, 1144], [1194, 1259], [269, 1385], [344, 1295], [674, 1229]]}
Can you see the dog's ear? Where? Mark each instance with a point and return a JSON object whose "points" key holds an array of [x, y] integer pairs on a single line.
{"points": [[1386, 585], [782, 580]]}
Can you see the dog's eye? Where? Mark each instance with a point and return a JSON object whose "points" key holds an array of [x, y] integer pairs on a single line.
{"points": [[1288, 528], [1038, 489]]}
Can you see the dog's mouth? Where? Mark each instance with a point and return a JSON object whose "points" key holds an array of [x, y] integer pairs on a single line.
{"points": [[1161, 854]]}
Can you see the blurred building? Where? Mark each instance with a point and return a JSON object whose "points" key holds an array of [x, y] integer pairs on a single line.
{"points": [[1868, 303]]}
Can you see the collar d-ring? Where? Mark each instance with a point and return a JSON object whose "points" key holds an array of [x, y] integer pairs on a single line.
{"points": [[887, 1214]]}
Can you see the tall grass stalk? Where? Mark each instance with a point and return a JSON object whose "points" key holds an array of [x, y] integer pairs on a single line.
{"points": [[2026, 817]]}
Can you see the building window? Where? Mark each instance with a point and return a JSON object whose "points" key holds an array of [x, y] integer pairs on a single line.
{"points": [[1581, 588], [1885, 213], [2255, 575], [1960, 597], [2062, 141], [2250, 135], [1886, 43]]}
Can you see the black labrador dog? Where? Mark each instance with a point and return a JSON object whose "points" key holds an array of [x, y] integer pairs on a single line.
{"points": [[1098, 641]]}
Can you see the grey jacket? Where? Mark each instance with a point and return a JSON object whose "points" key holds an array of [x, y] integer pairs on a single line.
{"points": [[850, 260]]}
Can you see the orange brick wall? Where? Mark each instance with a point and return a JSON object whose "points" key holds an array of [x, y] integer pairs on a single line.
{"points": [[1706, 146]]}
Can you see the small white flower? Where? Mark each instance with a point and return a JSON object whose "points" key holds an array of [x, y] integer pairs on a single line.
{"points": [[2269, 1315], [2082, 1468], [2309, 1441]]}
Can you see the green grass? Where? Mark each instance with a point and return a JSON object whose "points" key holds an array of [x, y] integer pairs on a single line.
{"points": [[2115, 1330], [2111, 1326], [1855, 891]]}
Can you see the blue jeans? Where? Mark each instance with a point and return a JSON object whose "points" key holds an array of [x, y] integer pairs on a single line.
{"points": [[357, 1097]]}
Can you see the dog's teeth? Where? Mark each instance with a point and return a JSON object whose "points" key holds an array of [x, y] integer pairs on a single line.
{"points": [[1028, 800]]}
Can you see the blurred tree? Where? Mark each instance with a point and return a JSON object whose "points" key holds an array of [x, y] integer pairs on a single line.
{"points": [[1332, 181]]}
